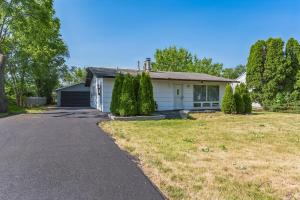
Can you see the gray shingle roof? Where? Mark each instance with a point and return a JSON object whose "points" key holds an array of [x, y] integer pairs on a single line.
{"points": [[69, 86], [187, 76]]}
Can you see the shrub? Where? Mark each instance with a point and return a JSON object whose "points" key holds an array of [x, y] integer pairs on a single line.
{"points": [[146, 100], [116, 95], [247, 102], [246, 98], [136, 84], [285, 102], [240, 106], [228, 103], [128, 101]]}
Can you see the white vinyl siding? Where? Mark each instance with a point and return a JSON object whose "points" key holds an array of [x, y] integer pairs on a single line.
{"points": [[163, 92], [93, 93], [108, 84]]}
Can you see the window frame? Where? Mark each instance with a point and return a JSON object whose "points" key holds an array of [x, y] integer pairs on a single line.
{"points": [[200, 104]]}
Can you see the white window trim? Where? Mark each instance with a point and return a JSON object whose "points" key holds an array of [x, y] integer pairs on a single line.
{"points": [[206, 96]]}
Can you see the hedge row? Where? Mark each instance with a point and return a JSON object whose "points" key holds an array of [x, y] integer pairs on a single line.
{"points": [[132, 95], [238, 102]]}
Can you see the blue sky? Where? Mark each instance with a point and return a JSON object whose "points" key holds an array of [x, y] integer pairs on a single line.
{"points": [[112, 33]]}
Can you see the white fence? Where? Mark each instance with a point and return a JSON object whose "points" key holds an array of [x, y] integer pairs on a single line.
{"points": [[36, 101]]}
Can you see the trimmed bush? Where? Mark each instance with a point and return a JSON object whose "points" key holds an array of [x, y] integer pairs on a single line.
{"points": [[228, 102], [246, 98], [116, 95], [128, 100], [146, 100], [239, 101], [136, 83]]}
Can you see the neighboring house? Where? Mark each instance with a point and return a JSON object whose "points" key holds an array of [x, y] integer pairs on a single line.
{"points": [[240, 79], [77, 95], [171, 90]]}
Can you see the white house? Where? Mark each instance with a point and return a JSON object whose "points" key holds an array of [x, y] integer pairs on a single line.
{"points": [[240, 79], [172, 90]]}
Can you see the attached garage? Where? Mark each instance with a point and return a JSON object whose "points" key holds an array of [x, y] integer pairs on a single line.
{"points": [[73, 96]]}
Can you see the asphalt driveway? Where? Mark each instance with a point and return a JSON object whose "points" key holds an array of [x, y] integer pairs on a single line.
{"points": [[63, 155]]}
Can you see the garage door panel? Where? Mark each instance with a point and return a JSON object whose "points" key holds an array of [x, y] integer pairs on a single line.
{"points": [[75, 99]]}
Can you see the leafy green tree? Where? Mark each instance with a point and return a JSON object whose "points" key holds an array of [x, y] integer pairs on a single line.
{"points": [[206, 66], [292, 51], [74, 75], [13, 15], [146, 99], [297, 81], [33, 46], [234, 73], [255, 70], [239, 101], [128, 105], [172, 59], [48, 61], [244, 92], [274, 70], [116, 95], [228, 102], [181, 60]]}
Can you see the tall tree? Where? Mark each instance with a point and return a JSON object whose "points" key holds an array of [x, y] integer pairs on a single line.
{"points": [[172, 59], [275, 70], [31, 43], [297, 79], [12, 13], [234, 73], [181, 60], [49, 51], [255, 70], [206, 66], [74, 75], [292, 51]]}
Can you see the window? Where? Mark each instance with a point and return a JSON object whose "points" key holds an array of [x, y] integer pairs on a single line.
{"points": [[206, 96], [199, 93], [197, 105], [212, 93], [206, 105], [215, 105]]}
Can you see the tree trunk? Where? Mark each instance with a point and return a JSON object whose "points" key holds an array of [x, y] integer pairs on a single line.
{"points": [[3, 99]]}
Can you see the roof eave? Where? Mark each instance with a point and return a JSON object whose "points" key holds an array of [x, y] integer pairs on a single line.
{"points": [[68, 86], [226, 81]]}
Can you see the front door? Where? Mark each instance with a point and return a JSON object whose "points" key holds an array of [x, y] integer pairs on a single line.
{"points": [[178, 97]]}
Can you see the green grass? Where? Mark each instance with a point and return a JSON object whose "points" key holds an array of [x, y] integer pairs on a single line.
{"points": [[13, 109], [217, 156]]}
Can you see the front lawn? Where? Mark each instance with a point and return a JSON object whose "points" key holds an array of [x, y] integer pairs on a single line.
{"points": [[217, 156]]}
